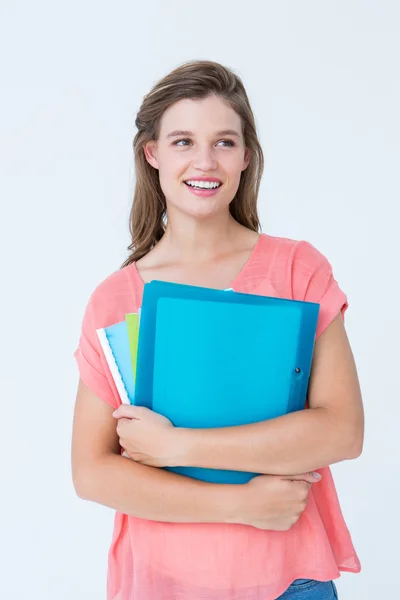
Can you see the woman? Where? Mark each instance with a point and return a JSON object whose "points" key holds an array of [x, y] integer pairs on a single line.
{"points": [[194, 220]]}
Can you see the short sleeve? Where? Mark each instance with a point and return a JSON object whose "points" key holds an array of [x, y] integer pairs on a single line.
{"points": [[90, 362], [313, 281]]}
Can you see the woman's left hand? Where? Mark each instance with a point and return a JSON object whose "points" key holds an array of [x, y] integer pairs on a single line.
{"points": [[147, 437]]}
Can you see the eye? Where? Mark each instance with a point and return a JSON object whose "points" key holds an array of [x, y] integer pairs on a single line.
{"points": [[177, 142]]}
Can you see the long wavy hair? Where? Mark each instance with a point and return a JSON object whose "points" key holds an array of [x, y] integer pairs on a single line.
{"points": [[194, 79]]}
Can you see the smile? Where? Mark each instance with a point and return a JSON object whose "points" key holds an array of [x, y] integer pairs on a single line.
{"points": [[203, 189], [208, 185]]}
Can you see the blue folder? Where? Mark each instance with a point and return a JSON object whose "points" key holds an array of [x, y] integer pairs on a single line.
{"points": [[118, 340], [216, 358]]}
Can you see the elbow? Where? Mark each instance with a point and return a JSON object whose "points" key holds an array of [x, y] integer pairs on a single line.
{"points": [[356, 445], [90, 477], [80, 489], [81, 482], [354, 453]]}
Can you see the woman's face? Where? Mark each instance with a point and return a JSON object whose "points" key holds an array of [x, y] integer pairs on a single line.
{"points": [[210, 145]]}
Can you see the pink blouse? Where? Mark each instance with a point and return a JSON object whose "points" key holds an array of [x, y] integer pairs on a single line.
{"points": [[152, 560]]}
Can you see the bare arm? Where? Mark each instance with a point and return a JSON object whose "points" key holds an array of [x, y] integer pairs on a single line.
{"points": [[102, 475], [330, 431]]}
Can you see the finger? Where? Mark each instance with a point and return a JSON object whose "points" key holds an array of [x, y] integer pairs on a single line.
{"points": [[130, 456], [122, 425], [127, 411], [311, 477]]}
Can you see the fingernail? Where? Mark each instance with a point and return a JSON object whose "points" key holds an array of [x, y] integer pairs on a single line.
{"points": [[317, 475]]}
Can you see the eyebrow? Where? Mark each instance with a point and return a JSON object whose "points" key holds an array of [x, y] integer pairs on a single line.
{"points": [[190, 133]]}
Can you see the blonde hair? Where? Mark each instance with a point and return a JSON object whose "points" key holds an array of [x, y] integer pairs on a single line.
{"points": [[194, 79]]}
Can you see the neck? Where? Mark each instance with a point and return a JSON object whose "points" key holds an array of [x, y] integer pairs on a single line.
{"points": [[196, 240]]}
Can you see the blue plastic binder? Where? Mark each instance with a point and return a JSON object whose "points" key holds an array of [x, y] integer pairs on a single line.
{"points": [[115, 343], [216, 358]]}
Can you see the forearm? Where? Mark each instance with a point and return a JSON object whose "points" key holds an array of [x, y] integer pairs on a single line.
{"points": [[292, 444], [155, 494]]}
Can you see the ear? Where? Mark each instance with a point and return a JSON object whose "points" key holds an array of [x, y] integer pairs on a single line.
{"points": [[246, 160], [150, 152]]}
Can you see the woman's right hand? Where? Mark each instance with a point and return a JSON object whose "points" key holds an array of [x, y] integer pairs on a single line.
{"points": [[274, 501]]}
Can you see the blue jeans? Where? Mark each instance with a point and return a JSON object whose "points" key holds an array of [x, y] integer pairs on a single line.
{"points": [[310, 589]]}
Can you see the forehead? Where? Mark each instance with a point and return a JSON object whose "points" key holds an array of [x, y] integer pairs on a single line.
{"points": [[204, 115]]}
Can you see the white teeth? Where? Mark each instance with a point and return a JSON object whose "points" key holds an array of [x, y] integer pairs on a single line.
{"points": [[203, 184]]}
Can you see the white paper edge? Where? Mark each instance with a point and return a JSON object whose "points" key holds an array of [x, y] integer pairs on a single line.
{"points": [[113, 365]]}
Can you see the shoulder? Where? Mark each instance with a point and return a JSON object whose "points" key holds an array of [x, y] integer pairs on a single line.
{"points": [[297, 268], [112, 284], [114, 296], [299, 252], [294, 258]]}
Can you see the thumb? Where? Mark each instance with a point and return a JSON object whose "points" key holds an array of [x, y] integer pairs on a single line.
{"points": [[312, 477], [127, 411]]}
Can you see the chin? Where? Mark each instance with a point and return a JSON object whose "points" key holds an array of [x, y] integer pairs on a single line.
{"points": [[200, 209], [205, 212]]}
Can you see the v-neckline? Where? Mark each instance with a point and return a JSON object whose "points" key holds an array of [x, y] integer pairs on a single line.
{"points": [[242, 273]]}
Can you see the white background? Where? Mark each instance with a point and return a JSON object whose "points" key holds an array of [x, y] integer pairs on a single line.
{"points": [[323, 81]]}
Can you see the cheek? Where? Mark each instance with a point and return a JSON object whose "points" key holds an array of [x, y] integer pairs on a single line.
{"points": [[232, 166], [239, 162], [172, 167]]}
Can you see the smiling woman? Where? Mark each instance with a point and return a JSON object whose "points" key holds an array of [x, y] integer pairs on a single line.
{"points": [[194, 220], [203, 149]]}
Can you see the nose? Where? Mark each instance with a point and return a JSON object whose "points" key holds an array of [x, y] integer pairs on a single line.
{"points": [[204, 159]]}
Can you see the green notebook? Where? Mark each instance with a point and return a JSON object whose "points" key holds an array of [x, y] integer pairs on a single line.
{"points": [[132, 324]]}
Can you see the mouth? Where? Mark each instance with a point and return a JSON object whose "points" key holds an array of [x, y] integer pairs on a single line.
{"points": [[203, 185], [202, 188]]}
